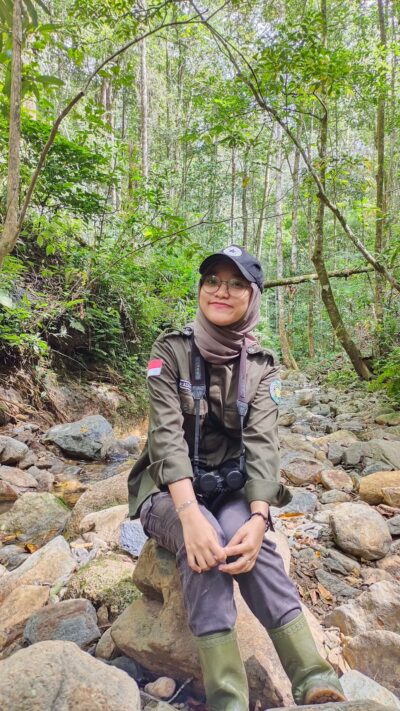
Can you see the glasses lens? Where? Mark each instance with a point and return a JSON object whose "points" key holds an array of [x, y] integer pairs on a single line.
{"points": [[237, 286], [211, 283]]}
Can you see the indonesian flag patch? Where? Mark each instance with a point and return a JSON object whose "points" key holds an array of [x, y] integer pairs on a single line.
{"points": [[154, 367]]}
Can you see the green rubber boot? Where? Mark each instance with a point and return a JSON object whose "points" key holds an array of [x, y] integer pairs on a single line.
{"points": [[313, 679], [224, 676]]}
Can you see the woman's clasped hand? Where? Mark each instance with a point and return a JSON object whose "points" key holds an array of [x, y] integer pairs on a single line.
{"points": [[205, 552]]}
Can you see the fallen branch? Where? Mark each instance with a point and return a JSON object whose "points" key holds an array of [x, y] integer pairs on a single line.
{"points": [[313, 277]]}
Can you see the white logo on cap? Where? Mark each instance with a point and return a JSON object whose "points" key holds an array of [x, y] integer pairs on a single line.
{"points": [[233, 251]]}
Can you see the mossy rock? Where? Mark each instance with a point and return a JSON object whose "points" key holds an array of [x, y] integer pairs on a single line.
{"points": [[105, 581]]}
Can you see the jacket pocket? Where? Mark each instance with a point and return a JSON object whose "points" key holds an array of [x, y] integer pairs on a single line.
{"points": [[188, 405]]}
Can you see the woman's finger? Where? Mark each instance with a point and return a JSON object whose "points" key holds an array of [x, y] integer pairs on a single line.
{"points": [[192, 563]]}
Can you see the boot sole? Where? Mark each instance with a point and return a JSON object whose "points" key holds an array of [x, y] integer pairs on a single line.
{"points": [[324, 696]]}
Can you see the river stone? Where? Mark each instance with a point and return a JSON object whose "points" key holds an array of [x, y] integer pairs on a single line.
{"points": [[302, 471], [286, 419], [48, 565], [387, 451], [29, 460], [132, 537], [14, 482], [16, 609], [45, 479], [335, 585], [371, 486], [100, 495], [11, 450], [91, 437], [391, 564], [305, 397], [394, 525], [345, 706], [34, 518], [336, 479], [69, 620], [358, 686], [376, 654], [106, 647], [377, 607], [302, 502], [107, 580], [390, 419], [360, 531], [376, 467], [334, 497], [59, 676], [391, 495], [154, 631], [343, 437], [335, 452], [106, 523], [12, 556], [337, 562]]}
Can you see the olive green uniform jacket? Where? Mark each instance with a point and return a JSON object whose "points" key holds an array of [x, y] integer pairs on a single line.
{"points": [[166, 456]]}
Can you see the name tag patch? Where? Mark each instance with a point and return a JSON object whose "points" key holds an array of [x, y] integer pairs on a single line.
{"points": [[185, 385], [275, 390], [154, 367]]}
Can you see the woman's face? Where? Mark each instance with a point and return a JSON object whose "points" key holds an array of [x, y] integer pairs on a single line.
{"points": [[224, 307]]}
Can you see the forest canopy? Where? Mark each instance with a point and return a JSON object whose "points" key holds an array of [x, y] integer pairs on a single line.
{"points": [[138, 138]]}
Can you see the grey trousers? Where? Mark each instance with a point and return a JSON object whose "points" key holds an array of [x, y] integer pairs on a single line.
{"points": [[208, 597]]}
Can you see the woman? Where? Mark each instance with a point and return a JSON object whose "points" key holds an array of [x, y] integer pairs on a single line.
{"points": [[205, 481]]}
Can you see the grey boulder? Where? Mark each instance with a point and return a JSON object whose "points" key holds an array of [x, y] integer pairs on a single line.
{"points": [[59, 676], [11, 450], [69, 620], [91, 437]]}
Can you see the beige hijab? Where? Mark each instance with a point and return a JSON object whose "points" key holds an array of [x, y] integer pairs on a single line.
{"points": [[219, 344]]}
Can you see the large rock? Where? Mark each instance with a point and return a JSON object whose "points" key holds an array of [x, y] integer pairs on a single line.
{"points": [[106, 524], [358, 686], [107, 580], [390, 564], [101, 495], [91, 437], [11, 450], [69, 621], [378, 607], [14, 482], [16, 609], [154, 632], [343, 437], [376, 654], [48, 565], [336, 479], [345, 706], [59, 676], [384, 450], [34, 518], [371, 486], [391, 495], [360, 531], [302, 471]]}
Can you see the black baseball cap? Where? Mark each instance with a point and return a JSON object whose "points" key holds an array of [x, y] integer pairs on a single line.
{"points": [[248, 265]]}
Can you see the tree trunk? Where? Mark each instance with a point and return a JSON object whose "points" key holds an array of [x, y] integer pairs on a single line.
{"points": [[328, 298], [261, 219], [380, 175], [295, 206], [233, 189], [287, 357], [144, 111], [245, 214], [10, 232]]}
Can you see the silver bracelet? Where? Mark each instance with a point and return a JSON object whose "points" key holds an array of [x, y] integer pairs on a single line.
{"points": [[184, 505]]}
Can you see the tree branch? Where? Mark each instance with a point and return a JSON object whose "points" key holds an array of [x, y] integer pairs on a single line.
{"points": [[321, 194]]}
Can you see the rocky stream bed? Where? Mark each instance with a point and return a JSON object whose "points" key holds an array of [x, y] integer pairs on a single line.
{"points": [[84, 624]]}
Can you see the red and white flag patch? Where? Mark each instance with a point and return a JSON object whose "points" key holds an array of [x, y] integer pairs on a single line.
{"points": [[154, 367]]}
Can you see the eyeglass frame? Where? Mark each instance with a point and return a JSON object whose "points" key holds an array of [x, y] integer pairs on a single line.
{"points": [[226, 282]]}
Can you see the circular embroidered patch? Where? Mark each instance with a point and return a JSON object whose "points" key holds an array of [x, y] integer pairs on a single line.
{"points": [[233, 251], [275, 390]]}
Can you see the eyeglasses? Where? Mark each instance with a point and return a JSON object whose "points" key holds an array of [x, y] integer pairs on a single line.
{"points": [[236, 286]]}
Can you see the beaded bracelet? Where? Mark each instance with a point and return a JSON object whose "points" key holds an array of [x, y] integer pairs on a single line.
{"points": [[263, 516], [184, 505]]}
